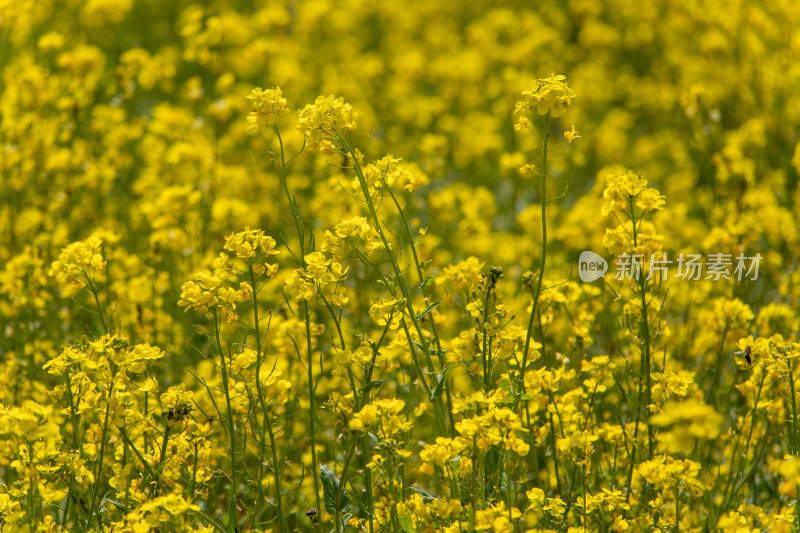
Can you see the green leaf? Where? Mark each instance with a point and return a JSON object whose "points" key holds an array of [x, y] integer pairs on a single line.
{"points": [[426, 496], [455, 464], [373, 439], [428, 309], [406, 524], [441, 379], [373, 385], [427, 281], [115, 503], [292, 520], [330, 484]]}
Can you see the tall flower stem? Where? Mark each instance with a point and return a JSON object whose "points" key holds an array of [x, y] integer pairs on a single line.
{"points": [[282, 164], [399, 279], [645, 380], [260, 395], [424, 289], [232, 520], [543, 253]]}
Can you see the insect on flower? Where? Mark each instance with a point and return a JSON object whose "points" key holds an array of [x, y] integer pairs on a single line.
{"points": [[312, 514], [746, 353]]}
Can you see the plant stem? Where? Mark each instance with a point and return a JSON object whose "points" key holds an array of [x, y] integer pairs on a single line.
{"points": [[93, 290], [644, 332], [99, 478], [538, 291], [342, 481], [284, 527], [161, 458], [311, 392], [232, 521], [398, 275], [424, 289]]}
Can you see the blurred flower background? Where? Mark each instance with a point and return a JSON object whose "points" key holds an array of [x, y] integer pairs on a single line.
{"points": [[298, 265]]}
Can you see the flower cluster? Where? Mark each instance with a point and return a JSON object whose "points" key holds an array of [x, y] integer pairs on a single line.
{"points": [[79, 265], [548, 95], [324, 119], [267, 106]]}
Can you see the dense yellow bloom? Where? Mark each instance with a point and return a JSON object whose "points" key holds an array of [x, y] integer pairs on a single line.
{"points": [[463, 275], [300, 286], [547, 95], [266, 107], [248, 243], [689, 420], [200, 294], [387, 312], [666, 473], [624, 188], [391, 172], [79, 264], [442, 452], [384, 415], [386, 351], [497, 518], [322, 120]]}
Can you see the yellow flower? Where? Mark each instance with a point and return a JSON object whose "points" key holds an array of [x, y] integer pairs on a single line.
{"points": [[267, 106], [299, 286], [79, 264], [621, 187], [200, 294], [690, 420], [385, 312], [571, 135], [323, 119], [548, 95], [248, 243], [497, 518]]}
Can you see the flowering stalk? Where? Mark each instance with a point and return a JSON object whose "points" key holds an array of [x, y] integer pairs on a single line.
{"points": [[645, 355], [549, 97], [93, 290], [260, 396], [424, 288], [164, 442], [400, 281], [337, 498], [732, 485], [231, 427], [543, 252], [282, 165]]}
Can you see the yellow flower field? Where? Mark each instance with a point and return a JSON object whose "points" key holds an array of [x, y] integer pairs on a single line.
{"points": [[399, 267]]}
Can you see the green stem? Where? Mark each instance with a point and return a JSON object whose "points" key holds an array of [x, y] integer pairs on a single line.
{"points": [[485, 356], [717, 366], [232, 521], [99, 477], [93, 290], [398, 275], [284, 526], [645, 355], [162, 457], [538, 291], [342, 481], [423, 287], [307, 318], [794, 409]]}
